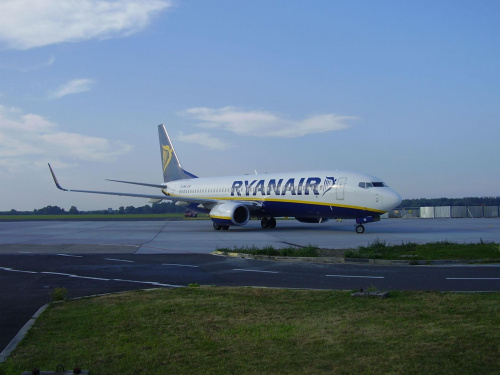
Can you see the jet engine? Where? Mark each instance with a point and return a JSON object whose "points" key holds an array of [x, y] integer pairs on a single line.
{"points": [[230, 213]]}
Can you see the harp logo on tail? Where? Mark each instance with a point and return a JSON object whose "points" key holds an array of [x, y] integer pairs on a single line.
{"points": [[166, 156]]}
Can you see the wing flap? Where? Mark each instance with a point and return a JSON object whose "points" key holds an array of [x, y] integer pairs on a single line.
{"points": [[138, 183]]}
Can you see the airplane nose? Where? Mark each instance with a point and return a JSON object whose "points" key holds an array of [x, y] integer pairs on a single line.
{"points": [[392, 199]]}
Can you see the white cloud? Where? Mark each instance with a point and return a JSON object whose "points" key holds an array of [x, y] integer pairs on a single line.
{"points": [[29, 24], [72, 87], [260, 123], [205, 140], [28, 139], [29, 65]]}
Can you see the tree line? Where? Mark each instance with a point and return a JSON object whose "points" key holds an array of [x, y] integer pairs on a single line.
{"points": [[155, 208], [439, 202], [170, 207]]}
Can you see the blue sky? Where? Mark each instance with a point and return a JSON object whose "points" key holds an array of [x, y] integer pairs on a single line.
{"points": [[406, 91]]}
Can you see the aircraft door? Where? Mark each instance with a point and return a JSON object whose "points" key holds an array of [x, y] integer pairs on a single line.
{"points": [[340, 188]]}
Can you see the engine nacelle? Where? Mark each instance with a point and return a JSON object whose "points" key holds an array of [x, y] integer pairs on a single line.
{"points": [[230, 213], [312, 220]]}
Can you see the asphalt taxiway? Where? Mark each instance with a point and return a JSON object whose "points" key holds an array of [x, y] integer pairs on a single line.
{"points": [[198, 236], [92, 257]]}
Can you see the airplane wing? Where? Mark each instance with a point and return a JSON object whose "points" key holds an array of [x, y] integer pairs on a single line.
{"points": [[206, 202], [139, 183], [150, 196]]}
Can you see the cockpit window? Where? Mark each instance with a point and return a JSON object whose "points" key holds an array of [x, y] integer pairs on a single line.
{"points": [[367, 185]]}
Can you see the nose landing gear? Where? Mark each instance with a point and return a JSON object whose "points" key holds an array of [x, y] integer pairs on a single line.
{"points": [[367, 219], [360, 228]]}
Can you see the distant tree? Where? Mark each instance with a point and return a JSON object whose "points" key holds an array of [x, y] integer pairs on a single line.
{"points": [[158, 208], [130, 210], [73, 211], [49, 210], [436, 202], [166, 207], [121, 210]]}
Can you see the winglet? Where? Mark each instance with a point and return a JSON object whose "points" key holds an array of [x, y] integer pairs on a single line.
{"points": [[55, 179]]}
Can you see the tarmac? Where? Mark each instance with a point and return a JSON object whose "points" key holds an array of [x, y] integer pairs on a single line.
{"points": [[198, 236], [40, 255]]}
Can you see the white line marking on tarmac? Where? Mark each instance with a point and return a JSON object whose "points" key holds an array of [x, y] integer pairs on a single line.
{"points": [[179, 265], [473, 278], [118, 244], [248, 270], [149, 282], [71, 256], [155, 283], [57, 273], [13, 270], [360, 277], [120, 260], [89, 277]]}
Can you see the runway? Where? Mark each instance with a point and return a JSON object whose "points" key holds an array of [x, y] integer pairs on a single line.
{"points": [[96, 257]]}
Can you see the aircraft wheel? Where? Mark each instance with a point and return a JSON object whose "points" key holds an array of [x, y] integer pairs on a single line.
{"points": [[225, 227], [264, 223], [360, 228], [271, 223], [217, 226]]}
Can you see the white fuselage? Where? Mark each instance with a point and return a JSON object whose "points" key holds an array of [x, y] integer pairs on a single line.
{"points": [[329, 194]]}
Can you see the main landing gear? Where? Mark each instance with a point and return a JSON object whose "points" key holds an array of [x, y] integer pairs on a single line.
{"points": [[268, 222], [219, 227]]}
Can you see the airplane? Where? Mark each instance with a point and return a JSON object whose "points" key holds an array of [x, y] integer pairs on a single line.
{"points": [[310, 197]]}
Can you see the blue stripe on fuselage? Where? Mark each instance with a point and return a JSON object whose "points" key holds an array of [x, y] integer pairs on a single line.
{"points": [[277, 209]]}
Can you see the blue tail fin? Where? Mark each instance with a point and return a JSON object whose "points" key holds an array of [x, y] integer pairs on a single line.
{"points": [[172, 169]]}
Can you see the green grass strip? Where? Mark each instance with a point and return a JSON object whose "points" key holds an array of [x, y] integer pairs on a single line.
{"points": [[443, 250], [266, 331], [96, 217], [306, 251]]}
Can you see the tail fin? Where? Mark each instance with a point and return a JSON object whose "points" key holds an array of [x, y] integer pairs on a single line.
{"points": [[172, 169]]}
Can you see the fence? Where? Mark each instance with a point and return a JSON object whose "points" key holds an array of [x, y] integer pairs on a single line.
{"points": [[446, 212]]}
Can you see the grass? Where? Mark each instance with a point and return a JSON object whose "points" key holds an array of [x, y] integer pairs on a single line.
{"points": [[265, 331], [485, 251], [306, 251], [443, 250], [96, 217]]}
